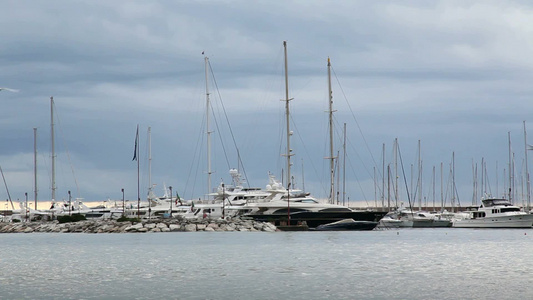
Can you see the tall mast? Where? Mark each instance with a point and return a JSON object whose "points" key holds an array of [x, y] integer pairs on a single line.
{"points": [[331, 156], [383, 178], [396, 195], [510, 169], [434, 189], [419, 184], [344, 167], [388, 187], [137, 148], [474, 178], [53, 149], [528, 193], [150, 160], [35, 166], [453, 181], [483, 189], [497, 183], [441, 188], [208, 131], [150, 188], [287, 117]]}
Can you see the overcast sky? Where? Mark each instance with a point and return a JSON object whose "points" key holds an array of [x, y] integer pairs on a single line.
{"points": [[455, 75]]}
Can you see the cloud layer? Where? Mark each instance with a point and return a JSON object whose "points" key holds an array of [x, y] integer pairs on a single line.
{"points": [[454, 74]]}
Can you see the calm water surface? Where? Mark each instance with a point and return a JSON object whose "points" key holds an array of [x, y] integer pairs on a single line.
{"points": [[389, 264]]}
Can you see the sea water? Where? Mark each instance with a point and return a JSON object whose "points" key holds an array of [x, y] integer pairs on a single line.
{"points": [[444, 263]]}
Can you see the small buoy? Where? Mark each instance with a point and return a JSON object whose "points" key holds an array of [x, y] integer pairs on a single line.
{"points": [[397, 233], [525, 233]]}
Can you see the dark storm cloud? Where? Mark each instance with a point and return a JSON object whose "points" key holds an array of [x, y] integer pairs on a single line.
{"points": [[454, 74]]}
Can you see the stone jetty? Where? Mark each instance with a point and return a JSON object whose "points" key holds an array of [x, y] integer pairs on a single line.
{"points": [[112, 226]]}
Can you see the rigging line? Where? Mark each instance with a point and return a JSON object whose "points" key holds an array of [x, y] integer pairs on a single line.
{"points": [[216, 120], [281, 135], [448, 187], [357, 154], [487, 182], [357, 179], [352, 147], [229, 126], [44, 158], [220, 138], [7, 190], [199, 142], [68, 153], [417, 187], [353, 115], [306, 152], [370, 174], [404, 178], [456, 194]]}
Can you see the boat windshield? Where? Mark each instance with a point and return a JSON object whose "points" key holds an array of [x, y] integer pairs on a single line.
{"points": [[494, 202]]}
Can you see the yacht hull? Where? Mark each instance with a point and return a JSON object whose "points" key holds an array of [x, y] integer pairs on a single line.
{"points": [[315, 219], [523, 221], [431, 223]]}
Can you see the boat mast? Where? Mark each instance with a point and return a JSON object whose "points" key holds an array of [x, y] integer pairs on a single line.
{"points": [[388, 187], [289, 133], [453, 181], [150, 161], [209, 172], [434, 188], [331, 157], [396, 195], [528, 193], [344, 167], [419, 178], [482, 187], [150, 188], [287, 117], [511, 171], [338, 177], [35, 165], [53, 149], [497, 183], [441, 188], [383, 179], [137, 148], [474, 178]]}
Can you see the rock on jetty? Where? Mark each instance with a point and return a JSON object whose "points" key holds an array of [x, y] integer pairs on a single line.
{"points": [[112, 226]]}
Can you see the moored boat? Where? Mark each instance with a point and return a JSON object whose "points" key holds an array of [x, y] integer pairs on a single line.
{"points": [[347, 225], [495, 213]]}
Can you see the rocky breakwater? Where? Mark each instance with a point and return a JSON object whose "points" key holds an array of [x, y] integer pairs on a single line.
{"points": [[112, 226]]}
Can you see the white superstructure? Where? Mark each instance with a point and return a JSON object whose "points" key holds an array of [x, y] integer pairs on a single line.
{"points": [[494, 213]]}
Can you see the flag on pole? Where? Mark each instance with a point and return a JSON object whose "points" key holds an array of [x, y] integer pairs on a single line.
{"points": [[178, 199], [136, 141]]}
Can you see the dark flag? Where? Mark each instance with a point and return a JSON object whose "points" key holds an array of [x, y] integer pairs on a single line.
{"points": [[136, 140]]}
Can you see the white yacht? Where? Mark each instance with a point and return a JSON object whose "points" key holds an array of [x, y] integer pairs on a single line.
{"points": [[427, 219], [390, 221], [236, 194], [494, 213], [301, 207]]}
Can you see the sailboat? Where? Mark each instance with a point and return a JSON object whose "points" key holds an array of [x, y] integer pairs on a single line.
{"points": [[291, 207]]}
